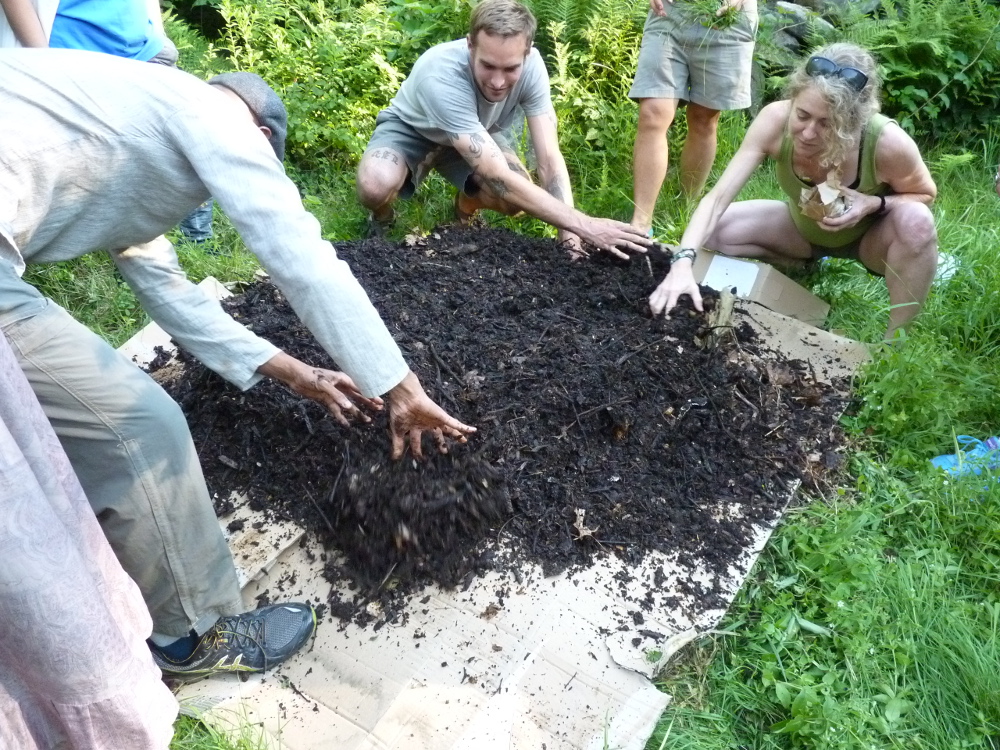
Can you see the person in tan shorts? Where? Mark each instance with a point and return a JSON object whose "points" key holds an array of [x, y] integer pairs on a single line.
{"points": [[708, 66]]}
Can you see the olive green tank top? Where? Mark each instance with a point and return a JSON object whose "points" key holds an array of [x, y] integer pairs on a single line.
{"points": [[793, 186]]}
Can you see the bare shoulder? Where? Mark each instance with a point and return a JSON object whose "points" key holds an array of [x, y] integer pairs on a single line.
{"points": [[895, 143], [898, 163], [896, 152], [768, 127]]}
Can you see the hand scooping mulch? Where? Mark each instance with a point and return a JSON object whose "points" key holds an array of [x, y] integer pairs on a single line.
{"points": [[601, 430]]}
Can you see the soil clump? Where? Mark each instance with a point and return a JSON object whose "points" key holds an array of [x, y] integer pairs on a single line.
{"points": [[601, 429]]}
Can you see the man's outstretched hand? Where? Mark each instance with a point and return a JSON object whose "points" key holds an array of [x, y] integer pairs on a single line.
{"points": [[411, 413], [333, 390], [614, 237]]}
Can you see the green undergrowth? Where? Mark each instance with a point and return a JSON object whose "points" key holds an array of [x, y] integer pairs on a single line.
{"points": [[871, 621], [191, 734]]}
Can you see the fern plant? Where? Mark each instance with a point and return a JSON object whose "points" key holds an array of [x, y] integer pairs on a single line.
{"points": [[940, 63], [328, 64]]}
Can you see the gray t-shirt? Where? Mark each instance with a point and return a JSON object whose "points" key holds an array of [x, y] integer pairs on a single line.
{"points": [[98, 152], [440, 95]]}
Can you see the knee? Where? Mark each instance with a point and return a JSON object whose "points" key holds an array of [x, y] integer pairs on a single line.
{"points": [[915, 233], [702, 121], [376, 186], [656, 114]]}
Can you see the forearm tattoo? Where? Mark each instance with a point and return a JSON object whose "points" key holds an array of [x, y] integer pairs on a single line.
{"points": [[497, 186], [476, 142], [515, 165], [558, 189]]}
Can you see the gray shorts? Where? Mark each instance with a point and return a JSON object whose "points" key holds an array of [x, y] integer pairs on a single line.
{"points": [[681, 59], [422, 155]]}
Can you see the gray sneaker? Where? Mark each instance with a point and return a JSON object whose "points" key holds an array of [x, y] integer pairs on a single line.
{"points": [[252, 642]]}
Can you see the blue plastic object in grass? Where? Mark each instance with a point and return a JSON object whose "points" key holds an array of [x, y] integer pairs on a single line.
{"points": [[974, 457]]}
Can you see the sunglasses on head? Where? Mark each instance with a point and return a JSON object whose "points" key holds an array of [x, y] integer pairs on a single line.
{"points": [[821, 66]]}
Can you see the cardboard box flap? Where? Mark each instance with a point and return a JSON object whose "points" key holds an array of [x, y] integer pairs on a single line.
{"points": [[760, 283]]}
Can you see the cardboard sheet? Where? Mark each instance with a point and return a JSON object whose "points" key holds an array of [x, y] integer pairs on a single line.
{"points": [[557, 663], [759, 282]]}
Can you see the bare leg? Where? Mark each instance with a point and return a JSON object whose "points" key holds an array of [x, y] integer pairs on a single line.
{"points": [[650, 157], [759, 229], [698, 154], [903, 246], [467, 205], [381, 174]]}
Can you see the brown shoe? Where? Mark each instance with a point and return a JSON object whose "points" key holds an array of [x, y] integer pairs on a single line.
{"points": [[462, 217]]}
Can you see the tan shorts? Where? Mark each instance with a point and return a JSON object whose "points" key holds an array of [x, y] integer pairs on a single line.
{"points": [[681, 59]]}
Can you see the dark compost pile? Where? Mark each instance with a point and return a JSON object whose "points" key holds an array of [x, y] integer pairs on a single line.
{"points": [[601, 430]]}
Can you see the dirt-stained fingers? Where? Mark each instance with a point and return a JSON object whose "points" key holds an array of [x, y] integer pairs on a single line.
{"points": [[338, 394], [412, 412]]}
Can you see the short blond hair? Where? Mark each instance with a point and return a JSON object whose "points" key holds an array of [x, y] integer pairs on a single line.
{"points": [[850, 110], [504, 18]]}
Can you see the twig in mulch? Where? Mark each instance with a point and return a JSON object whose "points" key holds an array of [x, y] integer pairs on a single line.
{"points": [[444, 365], [319, 510], [625, 357]]}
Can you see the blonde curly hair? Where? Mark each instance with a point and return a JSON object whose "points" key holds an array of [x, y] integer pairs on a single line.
{"points": [[849, 110]]}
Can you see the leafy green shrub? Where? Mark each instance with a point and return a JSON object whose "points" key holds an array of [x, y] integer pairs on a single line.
{"points": [[330, 64], [424, 23], [591, 49], [195, 54], [940, 61]]}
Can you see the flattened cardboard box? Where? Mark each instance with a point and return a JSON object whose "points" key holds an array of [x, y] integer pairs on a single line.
{"points": [[759, 282], [561, 663]]}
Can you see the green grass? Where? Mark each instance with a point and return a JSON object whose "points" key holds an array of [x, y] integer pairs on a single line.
{"points": [[191, 734]]}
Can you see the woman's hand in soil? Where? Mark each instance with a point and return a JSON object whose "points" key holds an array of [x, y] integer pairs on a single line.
{"points": [[411, 413], [611, 236], [679, 281], [333, 390]]}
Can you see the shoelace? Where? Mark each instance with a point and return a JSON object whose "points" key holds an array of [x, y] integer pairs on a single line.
{"points": [[970, 444], [244, 632]]}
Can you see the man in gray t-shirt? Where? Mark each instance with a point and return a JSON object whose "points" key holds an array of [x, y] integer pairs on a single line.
{"points": [[454, 112]]}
